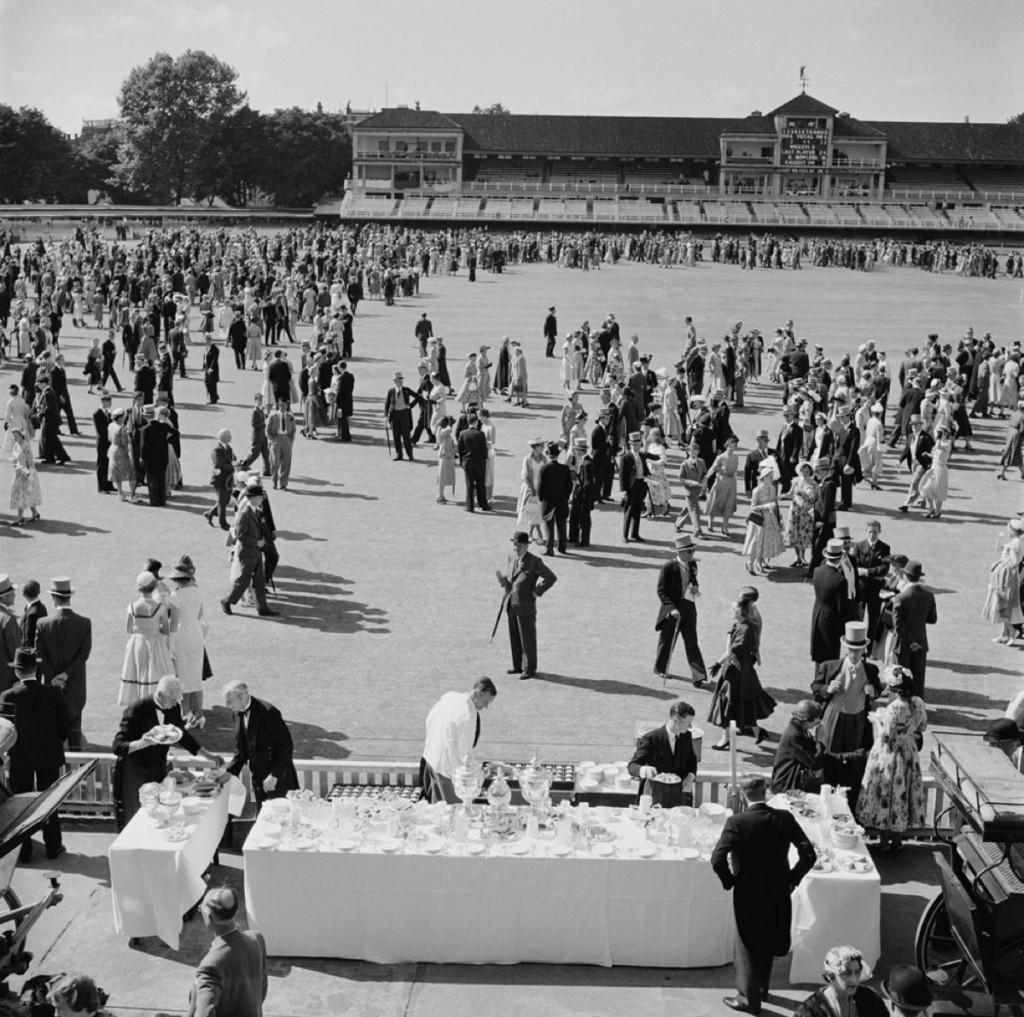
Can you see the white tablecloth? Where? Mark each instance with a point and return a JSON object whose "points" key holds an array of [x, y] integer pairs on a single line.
{"points": [[494, 909], [834, 909], [154, 881]]}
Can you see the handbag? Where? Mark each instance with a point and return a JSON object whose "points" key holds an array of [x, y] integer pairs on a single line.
{"points": [[756, 517]]}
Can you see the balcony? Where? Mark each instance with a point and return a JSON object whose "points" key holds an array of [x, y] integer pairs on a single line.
{"points": [[841, 162], [413, 156]]}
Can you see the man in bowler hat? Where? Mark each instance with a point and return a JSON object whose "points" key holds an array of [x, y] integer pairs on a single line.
{"points": [[526, 579], [677, 612]]}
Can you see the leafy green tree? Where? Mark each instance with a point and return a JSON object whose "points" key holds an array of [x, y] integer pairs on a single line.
{"points": [[172, 110], [308, 155], [37, 162], [234, 163]]}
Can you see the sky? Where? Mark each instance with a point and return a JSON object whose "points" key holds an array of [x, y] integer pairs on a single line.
{"points": [[876, 59]]}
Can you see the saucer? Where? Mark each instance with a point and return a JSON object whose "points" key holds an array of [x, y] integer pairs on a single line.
{"points": [[689, 854], [345, 845], [520, 847], [303, 844], [603, 850], [562, 850], [391, 845], [475, 848], [647, 850], [261, 843], [433, 846]]}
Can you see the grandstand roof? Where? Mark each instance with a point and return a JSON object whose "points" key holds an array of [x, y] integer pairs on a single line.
{"points": [[805, 105], [952, 143], [636, 137], [401, 118]]}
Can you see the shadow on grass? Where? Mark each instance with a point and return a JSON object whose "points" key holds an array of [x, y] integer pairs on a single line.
{"points": [[608, 687]]}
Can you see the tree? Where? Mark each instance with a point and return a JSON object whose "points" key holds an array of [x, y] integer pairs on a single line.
{"points": [[309, 154], [37, 162], [172, 111], [495, 109], [234, 164]]}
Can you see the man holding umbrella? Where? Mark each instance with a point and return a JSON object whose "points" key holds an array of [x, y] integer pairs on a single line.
{"points": [[677, 613]]}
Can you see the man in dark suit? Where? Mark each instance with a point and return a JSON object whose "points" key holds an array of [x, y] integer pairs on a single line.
{"points": [[913, 610], [252, 535], [263, 741], [63, 645], [154, 453], [752, 859], [847, 445], [223, 477], [279, 374], [232, 978], [801, 762], [550, 332], [237, 339], [398, 406], [668, 749], [601, 453], [871, 558], [909, 407], [346, 407], [832, 606], [140, 757], [41, 719], [258, 427], [633, 488], [211, 370], [10, 633], [788, 448], [423, 331], [918, 457], [34, 610], [753, 462], [101, 421], [554, 489], [677, 612], [473, 459], [525, 582]]}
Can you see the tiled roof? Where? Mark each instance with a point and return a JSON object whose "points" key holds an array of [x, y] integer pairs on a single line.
{"points": [[620, 137], [952, 143], [805, 105], [409, 119]]}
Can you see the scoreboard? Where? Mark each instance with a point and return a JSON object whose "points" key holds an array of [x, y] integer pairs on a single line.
{"points": [[805, 141]]}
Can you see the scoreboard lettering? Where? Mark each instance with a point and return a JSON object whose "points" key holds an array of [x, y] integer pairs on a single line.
{"points": [[805, 141]]}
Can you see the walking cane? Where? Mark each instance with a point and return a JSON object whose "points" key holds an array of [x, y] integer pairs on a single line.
{"points": [[387, 434], [671, 650]]}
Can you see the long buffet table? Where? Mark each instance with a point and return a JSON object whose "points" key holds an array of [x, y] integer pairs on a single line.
{"points": [[623, 901]]}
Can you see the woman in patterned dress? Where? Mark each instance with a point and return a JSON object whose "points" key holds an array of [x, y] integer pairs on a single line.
{"points": [[764, 534], [892, 794], [800, 521]]}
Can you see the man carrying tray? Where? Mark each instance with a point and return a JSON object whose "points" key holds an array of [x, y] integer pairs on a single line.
{"points": [[668, 750]]}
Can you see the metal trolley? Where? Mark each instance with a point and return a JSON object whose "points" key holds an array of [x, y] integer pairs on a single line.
{"points": [[971, 935]]}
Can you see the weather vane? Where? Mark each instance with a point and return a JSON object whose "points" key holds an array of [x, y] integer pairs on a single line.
{"points": [[803, 78]]}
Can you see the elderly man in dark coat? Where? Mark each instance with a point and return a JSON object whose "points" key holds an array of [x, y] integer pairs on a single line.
{"points": [[752, 859], [553, 490]]}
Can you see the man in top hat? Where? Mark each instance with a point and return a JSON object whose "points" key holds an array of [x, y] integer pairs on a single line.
{"points": [[601, 454], [913, 610], [554, 488], [250, 533], [525, 581], [918, 457], [751, 858], [668, 749], [154, 453], [41, 718], [584, 491], [10, 633], [832, 604], [550, 332], [633, 471], [473, 454], [678, 590], [232, 977], [222, 478], [63, 645], [101, 420], [754, 459], [789, 447]]}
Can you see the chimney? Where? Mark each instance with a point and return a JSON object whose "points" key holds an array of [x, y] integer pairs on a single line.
{"points": [[967, 120]]}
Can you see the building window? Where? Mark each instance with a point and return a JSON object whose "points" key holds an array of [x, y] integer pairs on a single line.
{"points": [[449, 146], [435, 146], [382, 145]]}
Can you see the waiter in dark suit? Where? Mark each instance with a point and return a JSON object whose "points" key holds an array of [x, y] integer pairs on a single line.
{"points": [[668, 749], [752, 859], [223, 477], [263, 741], [913, 610], [526, 580], [63, 645], [473, 459], [398, 412], [554, 488], [101, 421], [832, 605], [677, 613], [871, 558], [41, 719], [633, 472], [140, 758], [232, 977]]}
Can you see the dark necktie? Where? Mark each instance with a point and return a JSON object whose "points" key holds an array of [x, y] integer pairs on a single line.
{"points": [[476, 736]]}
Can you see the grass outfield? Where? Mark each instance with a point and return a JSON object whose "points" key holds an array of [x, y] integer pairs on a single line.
{"points": [[387, 599]]}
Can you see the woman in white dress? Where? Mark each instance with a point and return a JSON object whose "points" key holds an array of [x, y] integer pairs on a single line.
{"points": [[659, 490], [529, 516], [147, 654], [488, 431], [188, 636]]}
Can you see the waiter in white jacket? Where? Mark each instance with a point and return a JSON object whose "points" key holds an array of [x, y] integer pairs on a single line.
{"points": [[453, 729]]}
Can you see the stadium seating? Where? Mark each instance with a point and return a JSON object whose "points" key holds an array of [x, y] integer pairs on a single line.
{"points": [[605, 209], [688, 211], [926, 179], [414, 205], [992, 180], [577, 208], [442, 207], [583, 177]]}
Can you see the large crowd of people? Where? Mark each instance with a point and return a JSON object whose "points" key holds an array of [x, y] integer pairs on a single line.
{"points": [[286, 305]]}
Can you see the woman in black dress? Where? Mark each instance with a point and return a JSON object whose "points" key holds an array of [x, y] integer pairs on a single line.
{"points": [[738, 695]]}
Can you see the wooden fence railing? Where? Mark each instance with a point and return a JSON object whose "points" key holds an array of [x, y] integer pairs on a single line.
{"points": [[94, 796]]}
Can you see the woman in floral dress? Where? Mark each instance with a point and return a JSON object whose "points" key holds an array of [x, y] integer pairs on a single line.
{"points": [[892, 794], [764, 534], [25, 490], [121, 465], [800, 521]]}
